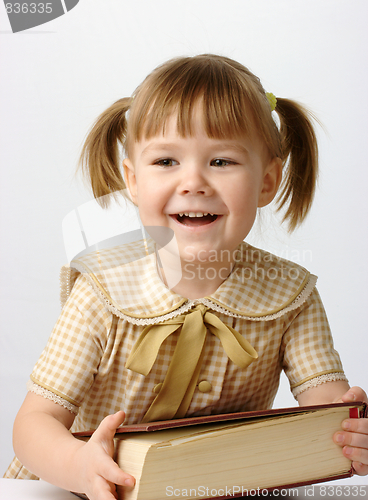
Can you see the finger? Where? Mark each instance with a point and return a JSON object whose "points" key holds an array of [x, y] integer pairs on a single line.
{"points": [[105, 489], [360, 469], [352, 439], [359, 425], [112, 473], [356, 454], [354, 394]]}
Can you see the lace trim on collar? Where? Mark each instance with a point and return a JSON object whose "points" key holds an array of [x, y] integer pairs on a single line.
{"points": [[65, 278]]}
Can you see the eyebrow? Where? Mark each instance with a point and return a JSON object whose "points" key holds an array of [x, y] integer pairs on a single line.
{"points": [[231, 146], [161, 146], [219, 145]]}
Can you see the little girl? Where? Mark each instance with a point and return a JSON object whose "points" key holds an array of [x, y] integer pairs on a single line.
{"points": [[203, 153]]}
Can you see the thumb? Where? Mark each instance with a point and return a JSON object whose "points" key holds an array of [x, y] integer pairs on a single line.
{"points": [[105, 432], [353, 394]]}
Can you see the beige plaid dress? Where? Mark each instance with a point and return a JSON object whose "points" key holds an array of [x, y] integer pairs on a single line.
{"points": [[271, 302]]}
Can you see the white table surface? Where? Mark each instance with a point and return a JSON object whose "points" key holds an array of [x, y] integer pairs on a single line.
{"points": [[17, 489]]}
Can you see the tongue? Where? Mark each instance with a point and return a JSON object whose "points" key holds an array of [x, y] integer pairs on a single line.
{"points": [[196, 221]]}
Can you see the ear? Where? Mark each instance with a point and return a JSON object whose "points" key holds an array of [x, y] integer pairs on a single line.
{"points": [[130, 180], [271, 181]]}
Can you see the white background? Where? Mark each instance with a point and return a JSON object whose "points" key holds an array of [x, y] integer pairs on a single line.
{"points": [[56, 79]]}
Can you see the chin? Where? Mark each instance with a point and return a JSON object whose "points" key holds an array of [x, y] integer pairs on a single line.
{"points": [[201, 255]]}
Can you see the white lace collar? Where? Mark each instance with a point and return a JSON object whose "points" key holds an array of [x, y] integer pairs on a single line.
{"points": [[261, 286]]}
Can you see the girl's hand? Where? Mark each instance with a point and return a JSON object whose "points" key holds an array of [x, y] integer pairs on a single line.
{"points": [[43, 443], [354, 441], [94, 460]]}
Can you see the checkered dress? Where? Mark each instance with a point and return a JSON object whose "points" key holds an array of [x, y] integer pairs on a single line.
{"points": [[272, 302]]}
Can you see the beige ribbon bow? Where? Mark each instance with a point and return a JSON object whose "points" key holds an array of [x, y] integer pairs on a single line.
{"points": [[177, 390]]}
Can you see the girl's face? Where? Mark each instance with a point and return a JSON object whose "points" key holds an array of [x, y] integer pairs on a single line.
{"points": [[206, 190]]}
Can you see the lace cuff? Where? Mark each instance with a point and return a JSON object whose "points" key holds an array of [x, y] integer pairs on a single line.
{"points": [[41, 391], [316, 381]]}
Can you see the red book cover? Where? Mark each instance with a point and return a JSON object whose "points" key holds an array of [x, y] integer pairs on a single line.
{"points": [[357, 410]]}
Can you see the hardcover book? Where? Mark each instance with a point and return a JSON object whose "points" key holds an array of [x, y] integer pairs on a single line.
{"points": [[229, 455]]}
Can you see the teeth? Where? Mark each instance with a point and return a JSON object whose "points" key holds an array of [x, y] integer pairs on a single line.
{"points": [[193, 214]]}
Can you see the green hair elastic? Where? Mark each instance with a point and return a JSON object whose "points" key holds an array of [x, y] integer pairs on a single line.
{"points": [[272, 100]]}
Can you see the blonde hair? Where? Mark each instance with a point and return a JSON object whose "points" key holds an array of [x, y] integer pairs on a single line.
{"points": [[234, 103]]}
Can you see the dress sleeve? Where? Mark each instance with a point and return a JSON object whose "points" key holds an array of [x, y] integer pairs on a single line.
{"points": [[66, 368], [309, 358]]}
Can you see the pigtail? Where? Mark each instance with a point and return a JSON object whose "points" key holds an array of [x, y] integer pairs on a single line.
{"points": [[300, 153], [100, 156]]}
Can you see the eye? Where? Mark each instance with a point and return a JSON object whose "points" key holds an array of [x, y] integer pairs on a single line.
{"points": [[221, 162], [166, 162]]}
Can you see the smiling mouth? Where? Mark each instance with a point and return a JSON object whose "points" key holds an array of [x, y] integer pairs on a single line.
{"points": [[195, 219]]}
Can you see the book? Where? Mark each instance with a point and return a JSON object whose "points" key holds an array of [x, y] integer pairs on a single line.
{"points": [[229, 455]]}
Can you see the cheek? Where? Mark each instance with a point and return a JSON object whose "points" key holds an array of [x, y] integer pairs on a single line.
{"points": [[150, 202], [143, 190], [243, 199], [148, 195]]}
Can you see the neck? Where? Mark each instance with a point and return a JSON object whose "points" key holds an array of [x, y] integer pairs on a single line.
{"points": [[192, 280]]}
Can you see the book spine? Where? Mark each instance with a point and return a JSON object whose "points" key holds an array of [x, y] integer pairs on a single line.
{"points": [[354, 413]]}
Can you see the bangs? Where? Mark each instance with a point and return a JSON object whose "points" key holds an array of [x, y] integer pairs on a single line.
{"points": [[229, 95]]}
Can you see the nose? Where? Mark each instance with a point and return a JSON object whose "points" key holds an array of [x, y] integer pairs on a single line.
{"points": [[195, 182]]}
